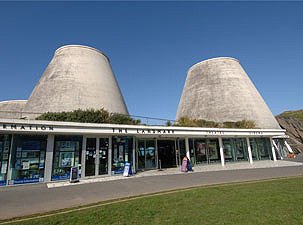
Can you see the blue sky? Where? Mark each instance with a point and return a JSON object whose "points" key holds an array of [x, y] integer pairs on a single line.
{"points": [[151, 46]]}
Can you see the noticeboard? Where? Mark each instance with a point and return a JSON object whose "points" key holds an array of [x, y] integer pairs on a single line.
{"points": [[74, 172], [127, 170]]}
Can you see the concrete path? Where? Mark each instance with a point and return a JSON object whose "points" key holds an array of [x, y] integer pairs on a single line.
{"points": [[29, 199]]}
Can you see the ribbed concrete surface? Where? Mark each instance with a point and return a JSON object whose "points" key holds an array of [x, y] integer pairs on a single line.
{"points": [[12, 109], [77, 77], [219, 90]]}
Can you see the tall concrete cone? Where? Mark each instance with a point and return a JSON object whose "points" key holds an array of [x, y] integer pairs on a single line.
{"points": [[77, 77], [219, 90]]}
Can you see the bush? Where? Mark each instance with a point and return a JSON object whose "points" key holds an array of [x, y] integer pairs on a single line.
{"points": [[187, 122], [89, 116]]}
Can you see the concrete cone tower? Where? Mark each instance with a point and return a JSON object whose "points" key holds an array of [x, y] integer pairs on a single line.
{"points": [[219, 90], [77, 77]]}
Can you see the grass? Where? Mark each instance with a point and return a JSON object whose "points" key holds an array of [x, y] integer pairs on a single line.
{"points": [[298, 114], [265, 202]]}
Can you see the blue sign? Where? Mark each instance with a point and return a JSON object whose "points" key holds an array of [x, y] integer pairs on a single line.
{"points": [[127, 170], [25, 181], [118, 171], [2, 182], [74, 174]]}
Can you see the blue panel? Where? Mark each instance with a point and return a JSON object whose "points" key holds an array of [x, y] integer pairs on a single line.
{"points": [[24, 181], [118, 171], [62, 177]]}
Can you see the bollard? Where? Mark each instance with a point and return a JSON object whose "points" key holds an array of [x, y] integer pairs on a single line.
{"points": [[160, 166]]}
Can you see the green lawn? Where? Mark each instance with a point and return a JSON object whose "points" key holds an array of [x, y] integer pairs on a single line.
{"points": [[266, 202]]}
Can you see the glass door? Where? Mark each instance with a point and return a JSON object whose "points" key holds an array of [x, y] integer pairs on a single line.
{"points": [[90, 160], [150, 160], [141, 154], [103, 156], [146, 154]]}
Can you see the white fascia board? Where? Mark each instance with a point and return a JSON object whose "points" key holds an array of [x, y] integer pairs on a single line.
{"points": [[38, 126]]}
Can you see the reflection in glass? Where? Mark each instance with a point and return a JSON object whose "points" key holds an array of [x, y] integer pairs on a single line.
{"points": [[27, 160], [260, 148], [121, 153], [103, 156], [5, 143], [67, 154], [90, 157]]}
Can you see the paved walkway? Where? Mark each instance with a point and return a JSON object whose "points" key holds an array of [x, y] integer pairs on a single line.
{"points": [[29, 199], [170, 171]]}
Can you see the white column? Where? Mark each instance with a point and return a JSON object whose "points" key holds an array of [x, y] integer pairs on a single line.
{"points": [[109, 162], [249, 151], [156, 153], [273, 150], [9, 170], [97, 163], [49, 158], [187, 148], [134, 155], [83, 157], [221, 151]]}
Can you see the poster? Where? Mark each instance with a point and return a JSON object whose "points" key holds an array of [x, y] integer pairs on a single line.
{"points": [[67, 145], [4, 167], [5, 156], [120, 152], [213, 154], [126, 171], [24, 154], [115, 153], [25, 165], [201, 149], [66, 159]]}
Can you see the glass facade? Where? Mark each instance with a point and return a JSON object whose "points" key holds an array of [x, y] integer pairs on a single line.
{"points": [[235, 149], [280, 148], [205, 150], [5, 144], [121, 153], [22, 157], [27, 159], [67, 153], [260, 148]]}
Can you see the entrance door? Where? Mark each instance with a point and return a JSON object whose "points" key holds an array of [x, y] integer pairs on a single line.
{"points": [[167, 153], [146, 154], [150, 156], [96, 157], [103, 156], [90, 158]]}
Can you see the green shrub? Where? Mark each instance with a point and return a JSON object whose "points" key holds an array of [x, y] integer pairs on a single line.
{"points": [[187, 122], [89, 116]]}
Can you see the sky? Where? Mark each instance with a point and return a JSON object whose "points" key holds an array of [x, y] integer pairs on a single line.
{"points": [[151, 46]]}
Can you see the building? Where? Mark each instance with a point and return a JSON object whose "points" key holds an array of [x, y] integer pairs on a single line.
{"points": [[44, 151]]}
